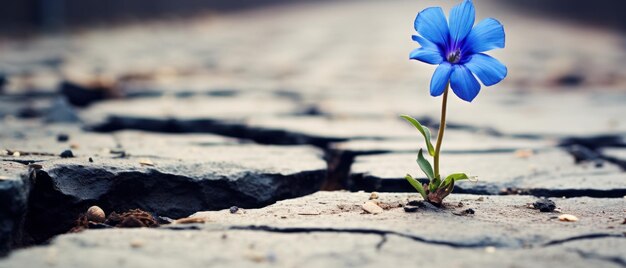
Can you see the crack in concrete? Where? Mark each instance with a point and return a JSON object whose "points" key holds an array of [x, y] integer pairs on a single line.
{"points": [[53, 194], [382, 233], [385, 233], [382, 242], [582, 237], [232, 129], [612, 259], [589, 149], [399, 185]]}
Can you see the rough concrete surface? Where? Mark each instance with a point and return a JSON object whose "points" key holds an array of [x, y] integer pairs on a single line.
{"points": [[254, 112]]}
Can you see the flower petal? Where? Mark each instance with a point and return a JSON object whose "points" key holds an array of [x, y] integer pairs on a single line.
{"points": [[487, 35], [440, 79], [489, 70], [428, 53], [463, 83], [431, 24], [461, 19]]}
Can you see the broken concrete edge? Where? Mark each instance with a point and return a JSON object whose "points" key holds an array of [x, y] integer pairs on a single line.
{"points": [[42, 205], [340, 162], [14, 193], [366, 182]]}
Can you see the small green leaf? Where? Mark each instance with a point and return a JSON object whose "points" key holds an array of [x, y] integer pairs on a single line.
{"points": [[454, 177], [416, 184], [448, 189], [425, 165], [422, 129], [434, 184]]}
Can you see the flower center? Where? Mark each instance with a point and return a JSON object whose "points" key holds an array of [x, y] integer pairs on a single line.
{"points": [[454, 56]]}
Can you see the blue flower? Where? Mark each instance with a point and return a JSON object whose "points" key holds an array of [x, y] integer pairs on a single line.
{"points": [[458, 49]]}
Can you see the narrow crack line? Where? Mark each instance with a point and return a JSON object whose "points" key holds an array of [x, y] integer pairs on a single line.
{"points": [[588, 255], [23, 162], [382, 233], [382, 242], [582, 237]]}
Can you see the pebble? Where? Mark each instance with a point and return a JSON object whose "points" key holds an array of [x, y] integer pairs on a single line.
{"points": [[490, 249], [67, 154], [466, 212], [374, 195], [414, 203], [568, 218], [146, 162], [189, 220], [136, 243], [544, 205], [96, 214], [523, 153], [411, 209], [372, 208], [234, 209], [63, 137]]}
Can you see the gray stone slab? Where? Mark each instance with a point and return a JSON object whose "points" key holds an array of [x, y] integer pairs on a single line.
{"points": [[34, 142], [14, 192], [338, 128], [501, 221], [186, 180], [548, 172], [170, 175], [149, 248], [329, 229], [532, 114], [163, 145], [456, 141], [188, 109]]}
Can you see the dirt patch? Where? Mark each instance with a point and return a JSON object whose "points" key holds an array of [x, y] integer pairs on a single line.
{"points": [[134, 218]]}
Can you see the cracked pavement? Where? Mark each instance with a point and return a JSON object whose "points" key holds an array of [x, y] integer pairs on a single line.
{"points": [[191, 117]]}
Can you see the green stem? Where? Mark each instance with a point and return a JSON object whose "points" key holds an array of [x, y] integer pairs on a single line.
{"points": [[442, 127]]}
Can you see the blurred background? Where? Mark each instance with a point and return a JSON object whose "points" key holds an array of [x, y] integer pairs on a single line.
{"points": [[330, 57], [49, 15]]}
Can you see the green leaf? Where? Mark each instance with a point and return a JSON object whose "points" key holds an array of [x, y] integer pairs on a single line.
{"points": [[422, 129], [416, 184], [448, 189], [425, 165], [454, 178], [434, 184]]}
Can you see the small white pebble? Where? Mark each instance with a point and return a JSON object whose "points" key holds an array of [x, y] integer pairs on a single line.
{"points": [[374, 195], [372, 208], [568, 218], [490, 249], [524, 153], [136, 243], [146, 162]]}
